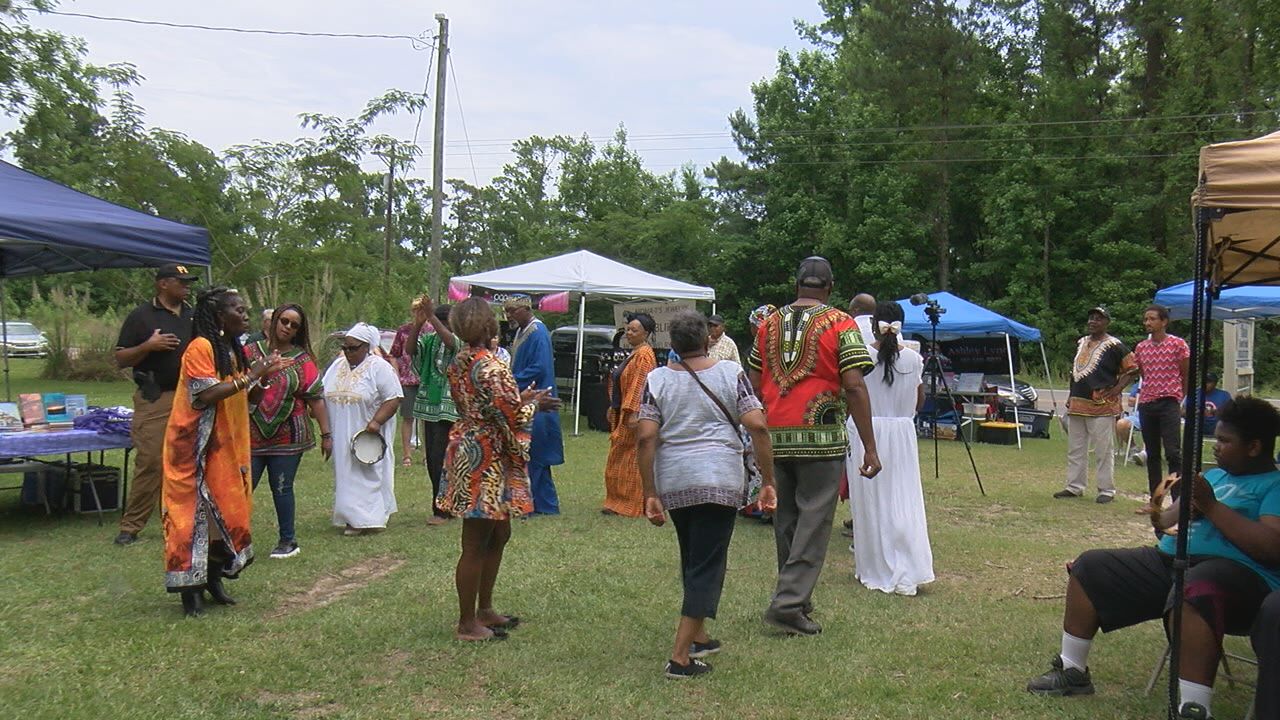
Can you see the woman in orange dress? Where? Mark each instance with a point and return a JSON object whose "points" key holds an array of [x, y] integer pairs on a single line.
{"points": [[486, 478], [623, 490], [206, 497]]}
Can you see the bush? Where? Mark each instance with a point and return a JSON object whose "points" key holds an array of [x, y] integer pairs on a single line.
{"points": [[81, 346]]}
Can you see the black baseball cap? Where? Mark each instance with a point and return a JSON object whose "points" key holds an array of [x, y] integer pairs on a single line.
{"points": [[814, 272], [1100, 310], [715, 319], [173, 270]]}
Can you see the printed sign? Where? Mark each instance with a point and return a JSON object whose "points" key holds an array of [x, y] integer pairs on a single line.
{"points": [[661, 312], [984, 355]]}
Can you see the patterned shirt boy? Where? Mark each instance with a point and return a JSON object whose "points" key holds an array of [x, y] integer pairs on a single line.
{"points": [[800, 353]]}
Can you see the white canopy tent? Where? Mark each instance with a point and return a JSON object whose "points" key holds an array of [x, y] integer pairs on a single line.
{"points": [[586, 273]]}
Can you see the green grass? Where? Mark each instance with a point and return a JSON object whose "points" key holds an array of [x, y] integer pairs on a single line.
{"points": [[90, 633]]}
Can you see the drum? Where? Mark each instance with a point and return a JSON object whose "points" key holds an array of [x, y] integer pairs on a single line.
{"points": [[368, 447]]}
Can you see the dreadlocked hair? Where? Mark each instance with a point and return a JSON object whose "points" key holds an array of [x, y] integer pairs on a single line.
{"points": [[228, 355]]}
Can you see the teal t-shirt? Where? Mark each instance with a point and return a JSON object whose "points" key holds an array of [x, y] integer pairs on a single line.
{"points": [[1250, 495]]}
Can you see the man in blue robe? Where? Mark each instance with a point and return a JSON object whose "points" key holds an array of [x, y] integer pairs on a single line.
{"points": [[534, 366]]}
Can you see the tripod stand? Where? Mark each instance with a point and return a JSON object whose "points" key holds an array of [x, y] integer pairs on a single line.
{"points": [[934, 368]]}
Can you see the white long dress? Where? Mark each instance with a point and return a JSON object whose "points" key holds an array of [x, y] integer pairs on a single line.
{"points": [[364, 496], [890, 535]]}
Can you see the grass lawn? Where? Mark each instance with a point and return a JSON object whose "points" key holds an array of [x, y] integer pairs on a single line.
{"points": [[362, 627]]}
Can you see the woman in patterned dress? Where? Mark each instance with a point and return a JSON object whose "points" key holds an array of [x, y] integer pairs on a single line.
{"points": [[623, 489], [279, 429], [206, 499], [486, 479]]}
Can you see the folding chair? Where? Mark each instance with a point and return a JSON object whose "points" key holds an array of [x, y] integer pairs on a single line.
{"points": [[1225, 674]]}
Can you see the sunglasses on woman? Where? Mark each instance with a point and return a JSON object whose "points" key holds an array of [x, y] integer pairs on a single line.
{"points": [[352, 348], [290, 324]]}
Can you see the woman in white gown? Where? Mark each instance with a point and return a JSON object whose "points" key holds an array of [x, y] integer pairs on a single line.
{"points": [[890, 536], [362, 392]]}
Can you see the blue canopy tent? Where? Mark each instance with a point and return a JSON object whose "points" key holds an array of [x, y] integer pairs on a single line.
{"points": [[964, 319], [46, 227], [1238, 303]]}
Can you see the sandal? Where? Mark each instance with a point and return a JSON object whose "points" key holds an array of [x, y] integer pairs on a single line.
{"points": [[511, 623], [406, 462]]}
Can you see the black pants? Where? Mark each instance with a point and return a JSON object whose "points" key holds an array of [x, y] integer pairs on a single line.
{"points": [[703, 533], [435, 441], [1266, 644], [1161, 426]]}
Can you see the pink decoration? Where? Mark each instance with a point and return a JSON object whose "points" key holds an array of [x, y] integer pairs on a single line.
{"points": [[459, 291], [555, 302]]}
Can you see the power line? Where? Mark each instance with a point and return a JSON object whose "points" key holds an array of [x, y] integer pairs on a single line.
{"points": [[913, 128], [426, 85], [419, 41], [457, 94]]}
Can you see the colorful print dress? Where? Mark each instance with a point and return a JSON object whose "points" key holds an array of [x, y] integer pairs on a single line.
{"points": [[487, 460], [280, 425], [206, 498]]}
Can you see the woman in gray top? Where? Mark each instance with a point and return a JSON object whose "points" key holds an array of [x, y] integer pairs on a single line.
{"points": [[691, 462]]}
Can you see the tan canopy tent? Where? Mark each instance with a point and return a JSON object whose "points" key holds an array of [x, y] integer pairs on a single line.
{"points": [[1239, 197], [1236, 216]]}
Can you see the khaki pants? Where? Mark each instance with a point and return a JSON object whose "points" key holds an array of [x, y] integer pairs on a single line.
{"points": [[1100, 432], [148, 427]]}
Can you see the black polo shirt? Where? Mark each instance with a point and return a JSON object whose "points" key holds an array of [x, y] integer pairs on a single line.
{"points": [[145, 320]]}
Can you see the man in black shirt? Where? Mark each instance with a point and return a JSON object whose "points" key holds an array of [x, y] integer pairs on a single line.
{"points": [[151, 342]]}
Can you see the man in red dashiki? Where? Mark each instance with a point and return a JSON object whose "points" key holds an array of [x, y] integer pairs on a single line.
{"points": [[1102, 368], [807, 364], [1164, 362]]}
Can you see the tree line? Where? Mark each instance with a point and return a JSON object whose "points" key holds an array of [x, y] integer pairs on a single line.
{"points": [[1035, 157]]}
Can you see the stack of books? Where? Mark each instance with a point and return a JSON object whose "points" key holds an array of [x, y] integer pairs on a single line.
{"points": [[50, 411]]}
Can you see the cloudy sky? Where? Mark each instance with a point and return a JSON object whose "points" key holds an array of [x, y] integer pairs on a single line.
{"points": [[671, 71]]}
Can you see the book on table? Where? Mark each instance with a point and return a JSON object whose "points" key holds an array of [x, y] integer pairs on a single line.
{"points": [[55, 408], [31, 407], [77, 405], [10, 417]]}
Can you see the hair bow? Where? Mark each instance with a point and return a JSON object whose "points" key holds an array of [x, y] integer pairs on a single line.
{"points": [[894, 327]]}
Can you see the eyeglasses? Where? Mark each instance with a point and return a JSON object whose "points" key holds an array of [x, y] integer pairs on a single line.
{"points": [[286, 322], [352, 348]]}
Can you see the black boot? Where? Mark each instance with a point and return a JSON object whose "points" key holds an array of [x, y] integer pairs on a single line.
{"points": [[193, 603], [214, 586]]}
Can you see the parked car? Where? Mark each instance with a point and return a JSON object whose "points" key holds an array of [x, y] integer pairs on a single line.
{"points": [[25, 340], [1027, 394], [597, 349]]}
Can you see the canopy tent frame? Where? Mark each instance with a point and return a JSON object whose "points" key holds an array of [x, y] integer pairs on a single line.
{"points": [[572, 272], [973, 328], [47, 228], [1236, 223]]}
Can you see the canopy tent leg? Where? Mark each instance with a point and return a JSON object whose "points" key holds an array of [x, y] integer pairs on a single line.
{"points": [[1048, 379], [577, 374], [1192, 447], [1013, 384], [4, 323], [713, 307]]}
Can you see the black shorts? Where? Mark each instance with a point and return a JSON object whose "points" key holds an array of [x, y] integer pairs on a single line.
{"points": [[1134, 585]]}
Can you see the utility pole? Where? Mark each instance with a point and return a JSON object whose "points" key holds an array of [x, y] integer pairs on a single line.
{"points": [[437, 157], [389, 188]]}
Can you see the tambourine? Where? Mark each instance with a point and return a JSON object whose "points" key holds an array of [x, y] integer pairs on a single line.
{"points": [[1161, 500], [368, 447]]}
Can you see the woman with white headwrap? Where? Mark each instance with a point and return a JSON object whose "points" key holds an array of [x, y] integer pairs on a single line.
{"points": [[362, 392]]}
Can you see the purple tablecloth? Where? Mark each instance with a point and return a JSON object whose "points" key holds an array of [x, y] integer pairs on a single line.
{"points": [[59, 442]]}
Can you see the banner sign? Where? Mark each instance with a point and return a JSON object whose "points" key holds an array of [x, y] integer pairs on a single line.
{"points": [[661, 312], [553, 303], [981, 355]]}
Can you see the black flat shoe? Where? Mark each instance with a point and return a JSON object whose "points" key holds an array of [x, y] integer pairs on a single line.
{"points": [[192, 603], [511, 623]]}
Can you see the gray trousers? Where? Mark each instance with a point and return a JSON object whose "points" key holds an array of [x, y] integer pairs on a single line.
{"points": [[807, 495], [1100, 432]]}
